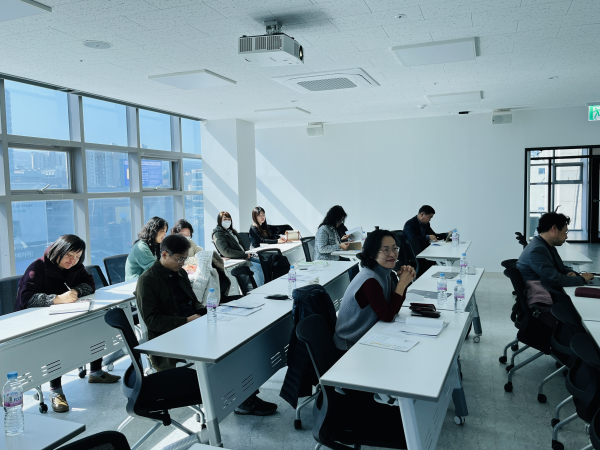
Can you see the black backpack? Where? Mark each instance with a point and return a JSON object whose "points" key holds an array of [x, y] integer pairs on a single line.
{"points": [[274, 264]]}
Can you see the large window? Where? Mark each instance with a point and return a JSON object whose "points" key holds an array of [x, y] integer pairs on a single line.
{"points": [[36, 111], [36, 225], [110, 228], [155, 130], [37, 169], [54, 185], [104, 122]]}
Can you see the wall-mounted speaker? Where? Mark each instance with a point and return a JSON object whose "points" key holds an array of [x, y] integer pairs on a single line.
{"points": [[314, 129], [501, 117]]}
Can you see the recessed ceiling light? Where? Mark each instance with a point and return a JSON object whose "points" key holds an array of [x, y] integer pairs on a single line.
{"points": [[436, 52], [460, 97], [99, 45], [553, 78], [283, 112], [192, 80]]}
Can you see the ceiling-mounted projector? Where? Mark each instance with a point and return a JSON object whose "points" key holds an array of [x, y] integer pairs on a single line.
{"points": [[272, 49]]}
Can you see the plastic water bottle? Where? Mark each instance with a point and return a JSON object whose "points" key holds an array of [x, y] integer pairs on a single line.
{"points": [[291, 281], [454, 238], [459, 297], [211, 305], [463, 267], [12, 396], [442, 287]]}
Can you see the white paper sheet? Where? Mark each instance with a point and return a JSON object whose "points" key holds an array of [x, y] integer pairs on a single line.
{"points": [[389, 342]]}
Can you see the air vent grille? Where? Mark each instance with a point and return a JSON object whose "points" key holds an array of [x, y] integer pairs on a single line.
{"points": [[245, 45], [267, 43], [329, 84]]}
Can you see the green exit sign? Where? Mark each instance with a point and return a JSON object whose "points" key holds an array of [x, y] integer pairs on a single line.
{"points": [[594, 112]]}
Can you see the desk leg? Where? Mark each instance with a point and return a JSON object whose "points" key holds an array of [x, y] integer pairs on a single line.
{"points": [[458, 397], [212, 420], [409, 421], [476, 321]]}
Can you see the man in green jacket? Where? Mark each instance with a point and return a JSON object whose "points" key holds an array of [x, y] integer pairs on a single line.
{"points": [[165, 300]]}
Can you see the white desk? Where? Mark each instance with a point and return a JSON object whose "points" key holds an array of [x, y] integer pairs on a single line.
{"points": [[572, 257], [41, 433], [593, 328], [445, 254], [588, 308], [423, 379], [350, 254], [233, 359], [427, 283], [41, 347]]}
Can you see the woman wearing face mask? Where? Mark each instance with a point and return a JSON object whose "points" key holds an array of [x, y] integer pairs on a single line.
{"points": [[186, 229], [228, 244], [260, 232]]}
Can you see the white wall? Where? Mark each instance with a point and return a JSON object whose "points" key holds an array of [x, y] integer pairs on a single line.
{"points": [[470, 171]]}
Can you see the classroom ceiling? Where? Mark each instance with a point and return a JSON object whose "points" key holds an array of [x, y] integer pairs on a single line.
{"points": [[531, 54]]}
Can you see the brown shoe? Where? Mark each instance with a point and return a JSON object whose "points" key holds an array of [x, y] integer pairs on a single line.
{"points": [[59, 403], [104, 378]]}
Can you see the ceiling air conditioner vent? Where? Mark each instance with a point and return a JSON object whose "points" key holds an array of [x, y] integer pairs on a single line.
{"points": [[328, 81]]}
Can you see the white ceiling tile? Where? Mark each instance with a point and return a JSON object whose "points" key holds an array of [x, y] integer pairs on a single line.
{"points": [[356, 22], [524, 12], [579, 30], [478, 31], [449, 23], [86, 10], [447, 8], [173, 17], [307, 29], [388, 5]]}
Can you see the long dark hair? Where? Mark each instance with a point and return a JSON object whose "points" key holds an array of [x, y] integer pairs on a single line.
{"points": [[333, 216], [371, 248], [180, 225], [150, 231], [63, 245], [264, 228], [220, 221]]}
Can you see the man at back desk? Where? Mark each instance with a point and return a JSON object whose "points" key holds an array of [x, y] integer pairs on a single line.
{"points": [[419, 227]]}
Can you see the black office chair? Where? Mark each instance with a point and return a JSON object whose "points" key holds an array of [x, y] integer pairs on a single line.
{"points": [[308, 245], [105, 440], [583, 382], [267, 259], [152, 396], [99, 278], [245, 238], [9, 288], [595, 431], [352, 418], [245, 279], [281, 229], [415, 248], [115, 268], [521, 239], [516, 309], [532, 331]]}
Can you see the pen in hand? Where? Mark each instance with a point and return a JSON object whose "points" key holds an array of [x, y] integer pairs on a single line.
{"points": [[67, 286]]}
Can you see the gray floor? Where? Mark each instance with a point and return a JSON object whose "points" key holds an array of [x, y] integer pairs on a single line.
{"points": [[497, 420]]}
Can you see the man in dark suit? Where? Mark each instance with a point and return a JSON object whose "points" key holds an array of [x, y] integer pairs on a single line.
{"points": [[419, 228]]}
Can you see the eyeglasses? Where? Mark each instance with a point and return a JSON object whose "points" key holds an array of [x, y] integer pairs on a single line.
{"points": [[387, 250], [179, 260]]}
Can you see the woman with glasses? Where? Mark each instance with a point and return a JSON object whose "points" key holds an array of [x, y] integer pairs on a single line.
{"points": [[60, 277], [327, 239], [146, 250], [376, 293]]}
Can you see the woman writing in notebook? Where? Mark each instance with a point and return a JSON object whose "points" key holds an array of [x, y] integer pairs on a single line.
{"points": [[376, 293], [60, 277], [260, 232]]}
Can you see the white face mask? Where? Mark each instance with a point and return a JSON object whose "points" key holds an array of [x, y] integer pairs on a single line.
{"points": [[226, 224]]}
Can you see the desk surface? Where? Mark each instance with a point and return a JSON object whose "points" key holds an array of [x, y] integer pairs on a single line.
{"points": [[588, 308], [445, 251], [30, 320], [283, 247], [346, 253], [219, 340], [427, 283], [593, 328], [419, 373], [569, 254], [41, 433]]}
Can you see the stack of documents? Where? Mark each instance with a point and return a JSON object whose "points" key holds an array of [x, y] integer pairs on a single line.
{"points": [[389, 342], [241, 307], [79, 306], [417, 326]]}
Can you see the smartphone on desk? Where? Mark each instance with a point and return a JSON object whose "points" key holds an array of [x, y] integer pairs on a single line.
{"points": [[277, 297]]}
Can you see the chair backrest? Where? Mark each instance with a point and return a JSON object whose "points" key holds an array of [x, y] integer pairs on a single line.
{"points": [[8, 294], [245, 278], [105, 440], [273, 263], [509, 263], [308, 245], [405, 256], [281, 229], [245, 238], [99, 278], [521, 239], [583, 379], [569, 324], [115, 268], [313, 331], [415, 248]]}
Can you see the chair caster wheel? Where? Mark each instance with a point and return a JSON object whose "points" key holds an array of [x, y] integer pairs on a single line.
{"points": [[460, 421], [43, 408], [82, 373], [36, 396], [476, 339], [557, 446], [503, 359], [508, 387], [554, 422], [510, 366], [514, 347], [297, 424], [542, 398], [110, 367]]}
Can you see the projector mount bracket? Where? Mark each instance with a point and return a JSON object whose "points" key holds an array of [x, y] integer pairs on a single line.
{"points": [[273, 26]]}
